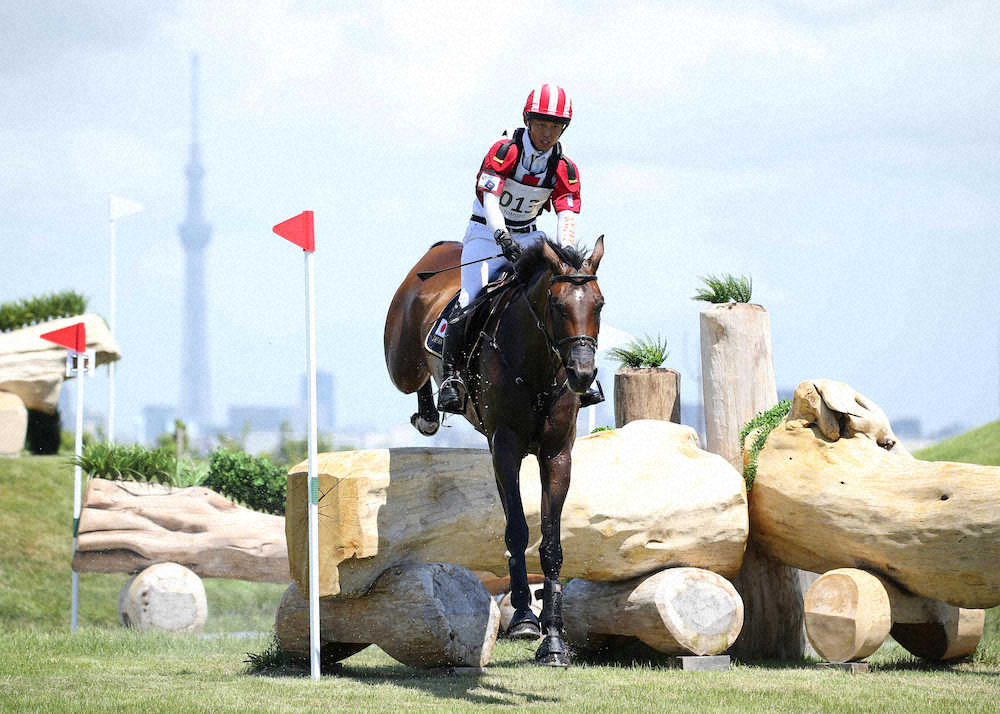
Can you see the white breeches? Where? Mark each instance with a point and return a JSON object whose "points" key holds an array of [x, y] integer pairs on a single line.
{"points": [[479, 243]]}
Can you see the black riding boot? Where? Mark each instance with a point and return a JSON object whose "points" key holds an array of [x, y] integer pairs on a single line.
{"points": [[592, 396], [451, 397]]}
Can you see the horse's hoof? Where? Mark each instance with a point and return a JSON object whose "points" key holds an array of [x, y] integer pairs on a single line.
{"points": [[552, 653], [524, 626], [425, 426]]}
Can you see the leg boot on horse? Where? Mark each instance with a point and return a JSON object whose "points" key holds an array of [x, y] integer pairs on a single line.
{"points": [[451, 396], [553, 650]]}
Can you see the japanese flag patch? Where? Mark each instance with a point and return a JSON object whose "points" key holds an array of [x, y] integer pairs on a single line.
{"points": [[491, 183]]}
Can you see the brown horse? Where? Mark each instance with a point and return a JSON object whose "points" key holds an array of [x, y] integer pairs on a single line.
{"points": [[533, 357]]}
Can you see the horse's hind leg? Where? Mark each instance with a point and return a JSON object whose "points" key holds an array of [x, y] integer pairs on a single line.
{"points": [[426, 419], [554, 473]]}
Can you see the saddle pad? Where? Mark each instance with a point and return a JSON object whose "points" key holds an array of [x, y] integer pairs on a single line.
{"points": [[434, 342]]}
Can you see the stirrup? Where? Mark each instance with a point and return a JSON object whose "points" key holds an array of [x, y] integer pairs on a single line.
{"points": [[592, 396], [452, 396]]}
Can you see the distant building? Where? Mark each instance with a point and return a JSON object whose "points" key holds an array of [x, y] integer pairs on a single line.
{"points": [[325, 406], [157, 419], [257, 418]]}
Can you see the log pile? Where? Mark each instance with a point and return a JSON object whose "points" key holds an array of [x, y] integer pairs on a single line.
{"points": [[835, 489], [643, 498]]}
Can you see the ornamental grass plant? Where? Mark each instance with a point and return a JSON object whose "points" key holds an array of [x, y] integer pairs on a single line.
{"points": [[727, 288], [31, 311], [644, 352]]}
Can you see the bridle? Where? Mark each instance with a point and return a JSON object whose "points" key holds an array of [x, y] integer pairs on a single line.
{"points": [[576, 279]]}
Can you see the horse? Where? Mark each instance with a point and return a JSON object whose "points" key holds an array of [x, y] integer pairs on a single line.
{"points": [[530, 361]]}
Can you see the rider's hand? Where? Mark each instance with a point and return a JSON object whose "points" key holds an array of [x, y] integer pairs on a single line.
{"points": [[511, 250]]}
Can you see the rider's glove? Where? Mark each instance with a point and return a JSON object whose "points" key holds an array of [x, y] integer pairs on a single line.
{"points": [[511, 250]]}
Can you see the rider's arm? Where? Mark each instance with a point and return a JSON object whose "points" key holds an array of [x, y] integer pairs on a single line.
{"points": [[494, 217], [566, 227]]}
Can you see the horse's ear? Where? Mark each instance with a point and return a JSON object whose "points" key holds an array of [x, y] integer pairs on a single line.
{"points": [[591, 263], [554, 261]]}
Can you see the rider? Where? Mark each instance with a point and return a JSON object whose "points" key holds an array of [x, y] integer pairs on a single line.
{"points": [[520, 177]]}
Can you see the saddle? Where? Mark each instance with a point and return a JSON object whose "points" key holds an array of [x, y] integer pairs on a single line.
{"points": [[480, 311]]}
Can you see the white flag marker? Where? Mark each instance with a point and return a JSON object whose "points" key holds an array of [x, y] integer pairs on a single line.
{"points": [[299, 230], [118, 207]]}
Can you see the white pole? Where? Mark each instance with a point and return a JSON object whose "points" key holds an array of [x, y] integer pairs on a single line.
{"points": [[77, 481], [313, 489], [114, 335]]}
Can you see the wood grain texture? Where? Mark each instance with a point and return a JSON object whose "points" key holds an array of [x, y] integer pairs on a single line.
{"points": [[652, 393]]}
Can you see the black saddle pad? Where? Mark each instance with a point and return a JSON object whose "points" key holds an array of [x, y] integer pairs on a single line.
{"points": [[434, 342]]}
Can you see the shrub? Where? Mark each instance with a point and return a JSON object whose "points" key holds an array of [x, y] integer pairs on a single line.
{"points": [[766, 420], [602, 428], [24, 312], [128, 462], [252, 480], [725, 289], [643, 352]]}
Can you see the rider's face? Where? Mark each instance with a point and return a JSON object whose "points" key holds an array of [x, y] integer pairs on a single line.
{"points": [[544, 133]]}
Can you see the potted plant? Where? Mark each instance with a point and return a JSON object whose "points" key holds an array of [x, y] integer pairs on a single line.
{"points": [[644, 389]]}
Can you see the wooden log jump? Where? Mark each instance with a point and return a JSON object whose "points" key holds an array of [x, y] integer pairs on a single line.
{"points": [[850, 612], [675, 611], [422, 614]]}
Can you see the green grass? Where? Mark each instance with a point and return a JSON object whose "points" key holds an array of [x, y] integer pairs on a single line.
{"points": [[727, 288], [644, 352], [979, 446], [104, 667], [99, 670], [30, 311], [36, 516]]}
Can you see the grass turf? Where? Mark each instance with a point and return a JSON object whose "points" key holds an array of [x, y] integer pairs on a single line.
{"points": [[106, 668]]}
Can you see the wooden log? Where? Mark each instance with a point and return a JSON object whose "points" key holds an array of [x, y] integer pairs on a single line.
{"points": [[675, 611], [835, 489], [127, 526], [166, 597], [13, 424], [846, 613], [643, 498], [738, 382], [422, 614], [647, 393]]}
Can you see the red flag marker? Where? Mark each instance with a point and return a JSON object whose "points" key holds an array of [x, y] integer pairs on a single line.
{"points": [[73, 337], [299, 230]]}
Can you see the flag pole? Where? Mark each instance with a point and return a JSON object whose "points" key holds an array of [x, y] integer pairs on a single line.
{"points": [[299, 230], [313, 482], [77, 362], [114, 333]]}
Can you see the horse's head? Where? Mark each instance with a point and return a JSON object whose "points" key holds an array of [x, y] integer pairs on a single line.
{"points": [[573, 305]]}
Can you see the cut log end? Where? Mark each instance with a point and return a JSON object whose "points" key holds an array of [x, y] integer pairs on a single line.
{"points": [[847, 615]]}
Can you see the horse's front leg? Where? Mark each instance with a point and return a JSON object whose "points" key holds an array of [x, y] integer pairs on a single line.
{"points": [[555, 475], [507, 457]]}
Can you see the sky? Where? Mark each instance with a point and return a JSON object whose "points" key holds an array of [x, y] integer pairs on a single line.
{"points": [[844, 154]]}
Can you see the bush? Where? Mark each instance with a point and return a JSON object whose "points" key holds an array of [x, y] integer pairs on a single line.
{"points": [[643, 352], [24, 312], [725, 289], [252, 480]]}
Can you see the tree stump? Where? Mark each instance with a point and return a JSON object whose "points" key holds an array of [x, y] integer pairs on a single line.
{"points": [[850, 612], [675, 611], [13, 424], [422, 614], [738, 382], [835, 489], [647, 393], [165, 596]]}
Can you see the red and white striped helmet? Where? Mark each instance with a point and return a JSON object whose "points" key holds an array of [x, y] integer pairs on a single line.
{"points": [[549, 101]]}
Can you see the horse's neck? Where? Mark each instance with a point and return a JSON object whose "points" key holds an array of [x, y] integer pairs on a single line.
{"points": [[524, 340]]}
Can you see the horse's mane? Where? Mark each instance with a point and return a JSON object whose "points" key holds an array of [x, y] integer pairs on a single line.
{"points": [[532, 261]]}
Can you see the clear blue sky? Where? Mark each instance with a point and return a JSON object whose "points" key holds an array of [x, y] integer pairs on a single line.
{"points": [[845, 154]]}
